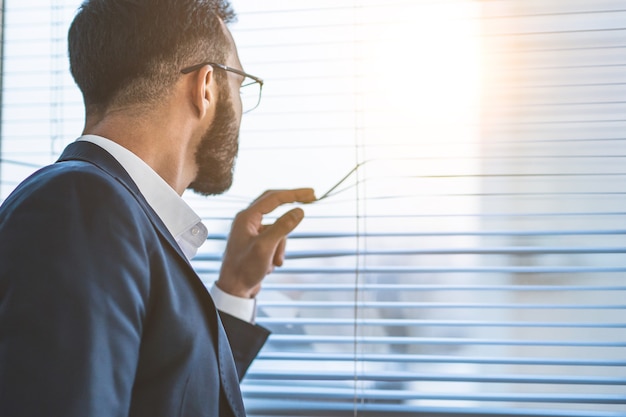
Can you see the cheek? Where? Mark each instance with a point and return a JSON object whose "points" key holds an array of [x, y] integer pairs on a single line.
{"points": [[235, 93], [239, 106], [237, 102]]}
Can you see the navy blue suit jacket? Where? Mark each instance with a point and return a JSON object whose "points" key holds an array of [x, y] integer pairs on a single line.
{"points": [[101, 314]]}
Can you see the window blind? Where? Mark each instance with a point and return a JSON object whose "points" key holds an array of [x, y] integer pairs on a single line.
{"points": [[41, 107], [472, 260], [473, 263]]}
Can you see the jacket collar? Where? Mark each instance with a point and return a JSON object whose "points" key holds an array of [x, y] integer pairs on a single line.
{"points": [[94, 154]]}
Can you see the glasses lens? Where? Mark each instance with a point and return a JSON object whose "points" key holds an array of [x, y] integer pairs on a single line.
{"points": [[250, 94]]}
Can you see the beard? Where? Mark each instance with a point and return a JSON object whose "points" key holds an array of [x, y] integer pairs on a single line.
{"points": [[217, 151]]}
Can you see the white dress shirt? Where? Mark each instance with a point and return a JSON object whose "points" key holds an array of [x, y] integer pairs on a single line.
{"points": [[180, 219]]}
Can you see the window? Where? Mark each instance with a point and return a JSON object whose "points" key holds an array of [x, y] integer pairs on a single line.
{"points": [[42, 109], [473, 261]]}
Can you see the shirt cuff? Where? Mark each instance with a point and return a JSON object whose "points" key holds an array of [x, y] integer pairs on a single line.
{"points": [[242, 308]]}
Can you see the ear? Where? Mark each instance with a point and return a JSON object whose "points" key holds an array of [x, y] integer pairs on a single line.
{"points": [[203, 90]]}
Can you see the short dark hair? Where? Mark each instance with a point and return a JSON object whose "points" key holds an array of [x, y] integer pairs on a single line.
{"points": [[125, 52]]}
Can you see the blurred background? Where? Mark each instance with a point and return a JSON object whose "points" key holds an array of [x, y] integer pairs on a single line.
{"points": [[472, 261]]}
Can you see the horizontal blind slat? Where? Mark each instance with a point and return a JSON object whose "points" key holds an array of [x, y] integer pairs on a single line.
{"points": [[369, 409], [302, 375], [336, 235], [430, 287], [423, 305], [438, 269], [369, 394], [316, 254], [433, 323], [415, 341], [401, 358]]}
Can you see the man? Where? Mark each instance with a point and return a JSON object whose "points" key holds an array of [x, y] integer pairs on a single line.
{"points": [[101, 313]]}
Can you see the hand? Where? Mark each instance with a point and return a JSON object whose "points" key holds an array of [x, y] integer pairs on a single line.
{"points": [[254, 249]]}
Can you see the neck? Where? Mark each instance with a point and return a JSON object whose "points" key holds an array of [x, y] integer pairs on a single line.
{"points": [[157, 138]]}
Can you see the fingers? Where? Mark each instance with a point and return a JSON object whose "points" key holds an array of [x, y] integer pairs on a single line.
{"points": [[278, 248], [255, 249], [279, 255], [284, 225], [274, 235], [272, 199]]}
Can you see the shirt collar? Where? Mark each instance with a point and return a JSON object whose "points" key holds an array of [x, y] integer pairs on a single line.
{"points": [[180, 219]]}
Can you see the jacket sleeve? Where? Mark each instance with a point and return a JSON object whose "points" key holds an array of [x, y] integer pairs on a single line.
{"points": [[245, 339], [73, 291]]}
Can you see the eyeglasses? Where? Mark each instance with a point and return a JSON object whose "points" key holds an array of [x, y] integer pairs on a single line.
{"points": [[250, 89]]}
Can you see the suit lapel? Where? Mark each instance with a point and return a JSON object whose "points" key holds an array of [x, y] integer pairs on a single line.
{"points": [[91, 153], [228, 373]]}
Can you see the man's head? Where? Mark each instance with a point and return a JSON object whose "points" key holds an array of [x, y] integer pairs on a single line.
{"points": [[130, 52]]}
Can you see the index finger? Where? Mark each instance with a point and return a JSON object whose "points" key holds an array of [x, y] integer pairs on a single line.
{"points": [[271, 199]]}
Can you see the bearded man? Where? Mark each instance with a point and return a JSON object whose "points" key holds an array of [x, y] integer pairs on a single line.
{"points": [[101, 313]]}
